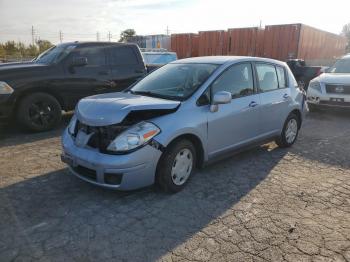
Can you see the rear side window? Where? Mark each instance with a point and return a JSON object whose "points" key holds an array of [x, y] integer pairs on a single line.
{"points": [[267, 77], [282, 82], [238, 80], [123, 55], [95, 55]]}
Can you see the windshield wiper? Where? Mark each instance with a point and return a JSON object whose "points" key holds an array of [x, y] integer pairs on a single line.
{"points": [[151, 94]]}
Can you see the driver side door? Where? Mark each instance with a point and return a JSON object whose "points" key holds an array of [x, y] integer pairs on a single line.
{"points": [[238, 123]]}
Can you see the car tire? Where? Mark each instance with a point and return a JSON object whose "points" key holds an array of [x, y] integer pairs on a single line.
{"points": [[39, 112], [176, 166], [290, 131]]}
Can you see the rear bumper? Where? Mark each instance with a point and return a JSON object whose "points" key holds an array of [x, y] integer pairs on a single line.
{"points": [[122, 172]]}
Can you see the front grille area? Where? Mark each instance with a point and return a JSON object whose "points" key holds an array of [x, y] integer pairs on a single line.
{"points": [[338, 89], [102, 136], [86, 172]]}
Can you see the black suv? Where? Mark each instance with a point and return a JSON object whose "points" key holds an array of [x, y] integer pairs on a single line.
{"points": [[36, 92]]}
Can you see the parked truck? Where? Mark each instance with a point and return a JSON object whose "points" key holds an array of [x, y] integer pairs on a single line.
{"points": [[303, 73], [36, 92]]}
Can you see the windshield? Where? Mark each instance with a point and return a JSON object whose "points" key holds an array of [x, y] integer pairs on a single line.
{"points": [[342, 66], [54, 54], [174, 81], [158, 59]]}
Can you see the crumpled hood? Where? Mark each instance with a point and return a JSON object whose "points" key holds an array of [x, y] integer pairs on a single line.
{"points": [[112, 108], [342, 79]]}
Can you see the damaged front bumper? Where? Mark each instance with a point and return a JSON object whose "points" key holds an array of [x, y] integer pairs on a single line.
{"points": [[123, 172]]}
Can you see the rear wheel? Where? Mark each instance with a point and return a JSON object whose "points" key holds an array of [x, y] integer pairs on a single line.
{"points": [[290, 131], [176, 166], [39, 112]]}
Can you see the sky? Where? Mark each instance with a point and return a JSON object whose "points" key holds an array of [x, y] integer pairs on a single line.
{"points": [[82, 19]]}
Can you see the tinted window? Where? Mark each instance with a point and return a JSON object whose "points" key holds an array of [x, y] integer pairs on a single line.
{"points": [[267, 77], [238, 80], [281, 77], [123, 56], [95, 55]]}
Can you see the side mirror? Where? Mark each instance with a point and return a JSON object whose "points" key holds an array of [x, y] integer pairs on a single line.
{"points": [[79, 61], [221, 97]]}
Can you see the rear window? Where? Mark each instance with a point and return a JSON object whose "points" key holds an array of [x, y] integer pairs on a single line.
{"points": [[158, 59], [123, 55]]}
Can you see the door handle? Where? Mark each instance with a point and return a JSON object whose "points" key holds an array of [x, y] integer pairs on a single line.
{"points": [[103, 73], [285, 96], [253, 104]]}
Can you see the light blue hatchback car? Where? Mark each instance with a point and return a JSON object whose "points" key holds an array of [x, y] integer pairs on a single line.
{"points": [[186, 114]]}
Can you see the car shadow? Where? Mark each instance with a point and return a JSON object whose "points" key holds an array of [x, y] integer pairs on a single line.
{"points": [[11, 131], [57, 216]]}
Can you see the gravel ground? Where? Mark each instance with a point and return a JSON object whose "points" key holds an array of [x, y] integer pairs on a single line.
{"points": [[267, 204]]}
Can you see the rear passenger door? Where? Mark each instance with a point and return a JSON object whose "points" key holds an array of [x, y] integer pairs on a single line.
{"points": [[126, 66], [275, 96]]}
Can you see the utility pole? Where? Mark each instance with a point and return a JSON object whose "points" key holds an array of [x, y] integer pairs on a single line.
{"points": [[109, 36], [33, 36], [61, 36], [98, 36], [167, 30]]}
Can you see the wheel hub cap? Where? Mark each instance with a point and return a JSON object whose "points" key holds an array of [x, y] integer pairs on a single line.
{"points": [[291, 131], [182, 167]]}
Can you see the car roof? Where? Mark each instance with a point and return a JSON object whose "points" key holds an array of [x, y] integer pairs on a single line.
{"points": [[220, 60], [158, 53], [88, 43]]}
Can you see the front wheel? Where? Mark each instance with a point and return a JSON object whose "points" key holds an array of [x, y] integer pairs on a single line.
{"points": [[176, 166], [290, 131], [39, 112]]}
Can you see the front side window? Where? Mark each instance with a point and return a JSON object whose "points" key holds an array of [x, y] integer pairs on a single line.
{"points": [[282, 82], [267, 77], [95, 55], [238, 80], [174, 81], [55, 54]]}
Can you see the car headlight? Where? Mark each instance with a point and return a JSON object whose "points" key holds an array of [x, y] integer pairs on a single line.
{"points": [[134, 137], [315, 85], [5, 89], [71, 125]]}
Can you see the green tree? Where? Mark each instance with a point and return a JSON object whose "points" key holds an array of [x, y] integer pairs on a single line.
{"points": [[346, 32], [43, 45], [32, 50], [126, 34], [2, 51]]}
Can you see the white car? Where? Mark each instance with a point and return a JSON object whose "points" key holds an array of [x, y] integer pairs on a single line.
{"points": [[332, 88]]}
